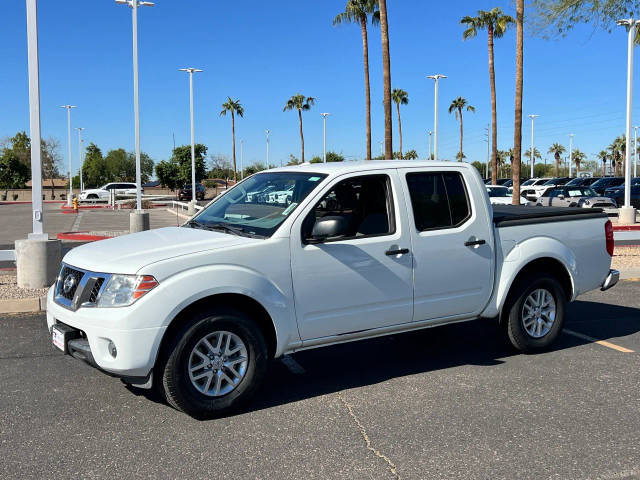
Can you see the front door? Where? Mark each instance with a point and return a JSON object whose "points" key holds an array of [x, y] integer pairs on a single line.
{"points": [[362, 279]]}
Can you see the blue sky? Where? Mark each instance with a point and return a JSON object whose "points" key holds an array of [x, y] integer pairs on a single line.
{"points": [[264, 52]]}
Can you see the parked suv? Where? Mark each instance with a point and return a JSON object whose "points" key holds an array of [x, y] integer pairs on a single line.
{"points": [[605, 182], [104, 192], [567, 196], [185, 192]]}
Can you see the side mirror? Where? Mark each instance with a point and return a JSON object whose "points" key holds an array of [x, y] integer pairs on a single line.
{"points": [[561, 197], [328, 228]]}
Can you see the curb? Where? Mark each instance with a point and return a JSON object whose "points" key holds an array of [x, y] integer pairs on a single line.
{"points": [[81, 236], [626, 228], [24, 202], [24, 305]]}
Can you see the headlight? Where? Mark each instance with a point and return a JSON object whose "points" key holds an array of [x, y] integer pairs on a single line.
{"points": [[586, 202], [123, 290]]}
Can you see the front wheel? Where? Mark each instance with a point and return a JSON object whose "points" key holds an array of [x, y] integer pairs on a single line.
{"points": [[216, 363], [535, 312]]}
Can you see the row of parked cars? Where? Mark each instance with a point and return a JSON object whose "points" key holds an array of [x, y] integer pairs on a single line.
{"points": [[586, 192]]}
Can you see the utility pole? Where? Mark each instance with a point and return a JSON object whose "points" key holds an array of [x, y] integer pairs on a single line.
{"points": [[635, 152], [80, 154], [488, 129], [532, 117], [435, 77], [268, 163], [191, 71], [570, 152], [430, 134], [627, 213], [68, 107], [324, 120]]}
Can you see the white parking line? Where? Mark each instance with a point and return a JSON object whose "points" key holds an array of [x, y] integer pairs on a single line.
{"points": [[293, 366], [604, 343]]}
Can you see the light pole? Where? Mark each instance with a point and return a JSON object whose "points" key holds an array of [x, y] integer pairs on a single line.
{"points": [[79, 129], [628, 213], [435, 77], [268, 132], [138, 220], [241, 159], [532, 117], [430, 135], [69, 107], [570, 152], [488, 129], [381, 147], [191, 71], [635, 152], [324, 131]]}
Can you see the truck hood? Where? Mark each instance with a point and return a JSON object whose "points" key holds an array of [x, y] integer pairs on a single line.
{"points": [[129, 253]]}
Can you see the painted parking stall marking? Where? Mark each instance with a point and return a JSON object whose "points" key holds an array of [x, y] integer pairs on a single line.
{"points": [[604, 343]]}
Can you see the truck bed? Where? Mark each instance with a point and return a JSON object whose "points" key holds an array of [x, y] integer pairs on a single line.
{"points": [[509, 215]]}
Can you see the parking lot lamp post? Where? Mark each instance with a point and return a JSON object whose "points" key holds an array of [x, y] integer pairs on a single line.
{"points": [[69, 107], [241, 159], [430, 135], [570, 152], [488, 129], [635, 152], [191, 71], [627, 212], [79, 129], [268, 132], [532, 117], [435, 77], [324, 131]]}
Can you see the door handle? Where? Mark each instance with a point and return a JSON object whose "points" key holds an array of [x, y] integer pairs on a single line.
{"points": [[473, 243], [400, 251]]}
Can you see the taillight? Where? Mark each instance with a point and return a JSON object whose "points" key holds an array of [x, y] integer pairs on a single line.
{"points": [[608, 234], [145, 284]]}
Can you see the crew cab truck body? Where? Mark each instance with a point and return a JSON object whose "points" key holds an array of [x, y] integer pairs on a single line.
{"points": [[362, 250]]}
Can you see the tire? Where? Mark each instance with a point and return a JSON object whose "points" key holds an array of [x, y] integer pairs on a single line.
{"points": [[530, 333], [186, 394], [92, 196]]}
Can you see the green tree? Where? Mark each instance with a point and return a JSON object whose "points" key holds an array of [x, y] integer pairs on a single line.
{"points": [[399, 97], [234, 107], [557, 150], [480, 167], [13, 172], [359, 11], [410, 155], [334, 157], [182, 156], [386, 78], [316, 159], [603, 156], [220, 167], [457, 105], [168, 174], [300, 103], [50, 161], [517, 130], [94, 168], [496, 23], [21, 147], [255, 168], [578, 157]]}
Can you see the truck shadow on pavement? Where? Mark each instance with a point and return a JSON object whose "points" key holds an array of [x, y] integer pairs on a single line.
{"points": [[480, 342]]}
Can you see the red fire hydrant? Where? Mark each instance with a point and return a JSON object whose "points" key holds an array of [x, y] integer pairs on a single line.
{"points": [[75, 204]]}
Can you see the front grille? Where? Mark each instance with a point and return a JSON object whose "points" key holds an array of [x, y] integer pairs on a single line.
{"points": [[64, 275], [93, 296], [602, 205]]}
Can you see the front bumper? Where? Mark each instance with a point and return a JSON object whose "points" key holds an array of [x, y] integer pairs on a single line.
{"points": [[611, 280], [136, 348]]}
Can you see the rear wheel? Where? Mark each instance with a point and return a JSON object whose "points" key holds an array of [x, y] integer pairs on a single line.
{"points": [[535, 312], [214, 364]]}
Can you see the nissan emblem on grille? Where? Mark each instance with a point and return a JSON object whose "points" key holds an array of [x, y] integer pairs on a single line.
{"points": [[69, 283]]}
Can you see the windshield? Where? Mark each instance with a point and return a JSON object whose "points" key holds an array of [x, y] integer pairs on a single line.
{"points": [[529, 182], [498, 192], [575, 182], [249, 209], [580, 192]]}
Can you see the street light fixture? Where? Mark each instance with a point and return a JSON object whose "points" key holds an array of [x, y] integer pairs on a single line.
{"points": [[532, 117], [430, 135], [570, 153], [191, 71], [324, 120], [69, 107], [134, 4], [435, 77], [79, 129]]}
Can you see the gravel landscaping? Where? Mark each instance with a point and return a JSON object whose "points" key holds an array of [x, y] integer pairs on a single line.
{"points": [[9, 289], [626, 257]]}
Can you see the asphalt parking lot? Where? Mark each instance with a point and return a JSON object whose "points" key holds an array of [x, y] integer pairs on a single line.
{"points": [[450, 402]]}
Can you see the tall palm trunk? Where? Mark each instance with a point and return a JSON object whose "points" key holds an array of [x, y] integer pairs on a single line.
{"points": [[386, 77], [367, 86], [557, 157], [460, 113], [399, 129], [494, 114], [233, 137], [604, 167], [517, 134], [301, 135]]}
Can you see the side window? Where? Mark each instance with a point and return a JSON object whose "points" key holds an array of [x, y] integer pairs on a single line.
{"points": [[364, 202], [439, 199]]}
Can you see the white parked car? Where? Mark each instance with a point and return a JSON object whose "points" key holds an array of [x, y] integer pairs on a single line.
{"points": [[533, 188], [281, 196], [104, 192], [499, 195], [364, 249]]}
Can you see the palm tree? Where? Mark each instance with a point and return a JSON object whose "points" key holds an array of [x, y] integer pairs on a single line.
{"points": [[358, 11], [536, 155], [617, 151], [386, 78], [517, 131], [578, 157], [496, 24], [299, 102], [235, 107], [399, 96], [557, 150], [456, 106], [603, 156]]}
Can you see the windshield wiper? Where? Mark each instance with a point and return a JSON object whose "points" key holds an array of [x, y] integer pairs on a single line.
{"points": [[225, 227]]}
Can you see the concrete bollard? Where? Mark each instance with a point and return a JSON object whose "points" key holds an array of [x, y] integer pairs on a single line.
{"points": [[138, 221], [191, 211], [627, 216], [38, 262]]}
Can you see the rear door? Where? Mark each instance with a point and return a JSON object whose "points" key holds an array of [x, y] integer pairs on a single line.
{"points": [[451, 241]]}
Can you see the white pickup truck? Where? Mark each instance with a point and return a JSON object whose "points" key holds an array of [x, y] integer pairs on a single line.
{"points": [[363, 249]]}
